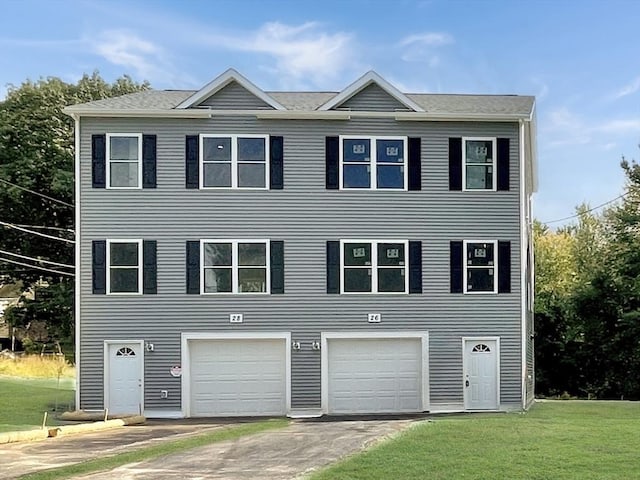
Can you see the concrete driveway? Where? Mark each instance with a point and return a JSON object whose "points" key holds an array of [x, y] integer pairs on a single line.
{"points": [[291, 452]]}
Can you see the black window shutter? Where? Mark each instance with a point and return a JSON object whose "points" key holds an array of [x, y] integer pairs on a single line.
{"points": [[276, 166], [149, 161], [415, 266], [192, 179], [277, 266], [456, 259], [333, 266], [415, 170], [193, 267], [98, 160], [332, 154], [99, 276], [149, 267], [502, 157], [504, 267], [455, 164]]}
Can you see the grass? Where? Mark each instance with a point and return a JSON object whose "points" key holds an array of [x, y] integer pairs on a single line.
{"points": [[110, 462], [23, 401], [36, 366], [555, 440]]}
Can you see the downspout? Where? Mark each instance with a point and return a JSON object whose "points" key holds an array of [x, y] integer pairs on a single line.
{"points": [[76, 119], [523, 263]]}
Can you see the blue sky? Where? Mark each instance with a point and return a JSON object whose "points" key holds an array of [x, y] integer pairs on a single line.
{"points": [[581, 59]]}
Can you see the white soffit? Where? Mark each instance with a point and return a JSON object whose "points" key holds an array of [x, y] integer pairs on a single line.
{"points": [[222, 81], [362, 83]]}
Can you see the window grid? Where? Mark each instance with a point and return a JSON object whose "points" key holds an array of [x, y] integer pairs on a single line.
{"points": [[373, 161], [234, 161], [109, 162], [467, 267], [492, 165], [235, 267], [374, 267], [138, 267]]}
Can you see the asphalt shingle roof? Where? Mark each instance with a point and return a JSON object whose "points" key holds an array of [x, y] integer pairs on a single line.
{"points": [[309, 101]]}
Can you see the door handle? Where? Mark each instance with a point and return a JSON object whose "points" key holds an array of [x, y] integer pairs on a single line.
{"points": [[466, 383]]}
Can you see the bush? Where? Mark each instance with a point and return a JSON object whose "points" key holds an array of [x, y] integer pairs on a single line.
{"points": [[37, 366]]}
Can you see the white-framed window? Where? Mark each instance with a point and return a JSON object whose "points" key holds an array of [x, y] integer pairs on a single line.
{"points": [[234, 266], [373, 163], [480, 266], [479, 163], [124, 266], [374, 266], [124, 160], [234, 161]]}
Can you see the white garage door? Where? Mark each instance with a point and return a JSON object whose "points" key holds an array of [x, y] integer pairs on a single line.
{"points": [[374, 375], [234, 377]]}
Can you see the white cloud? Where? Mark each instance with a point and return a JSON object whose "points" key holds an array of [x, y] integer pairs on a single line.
{"points": [[134, 53], [302, 53], [631, 125], [425, 47], [628, 89], [431, 39]]}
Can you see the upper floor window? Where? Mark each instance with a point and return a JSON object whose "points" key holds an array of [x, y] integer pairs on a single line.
{"points": [[124, 266], [124, 160], [481, 267], [371, 266], [235, 266], [373, 162], [234, 161], [479, 158]]}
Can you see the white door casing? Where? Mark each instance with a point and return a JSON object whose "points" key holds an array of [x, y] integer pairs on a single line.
{"points": [[124, 376], [481, 373], [236, 374], [374, 372]]}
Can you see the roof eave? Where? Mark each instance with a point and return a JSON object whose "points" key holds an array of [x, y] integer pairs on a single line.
{"points": [[137, 112]]}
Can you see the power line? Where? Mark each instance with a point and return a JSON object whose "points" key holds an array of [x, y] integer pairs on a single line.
{"points": [[36, 193], [587, 211], [10, 225], [37, 259], [43, 227], [35, 267]]}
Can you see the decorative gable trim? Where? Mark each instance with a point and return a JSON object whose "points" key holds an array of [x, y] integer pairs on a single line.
{"points": [[362, 83], [222, 81]]}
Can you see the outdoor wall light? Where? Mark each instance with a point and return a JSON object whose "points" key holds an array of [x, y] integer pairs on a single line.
{"points": [[149, 347], [295, 346], [315, 345]]}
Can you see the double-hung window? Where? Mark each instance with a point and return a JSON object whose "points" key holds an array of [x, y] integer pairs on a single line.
{"points": [[370, 266], [479, 163], [374, 163], [480, 266], [235, 266], [124, 266], [234, 161], [124, 160]]}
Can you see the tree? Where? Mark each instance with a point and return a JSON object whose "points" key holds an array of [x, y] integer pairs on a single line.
{"points": [[36, 152]]}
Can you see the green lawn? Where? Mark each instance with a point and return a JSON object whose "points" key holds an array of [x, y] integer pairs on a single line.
{"points": [[554, 440], [23, 401]]}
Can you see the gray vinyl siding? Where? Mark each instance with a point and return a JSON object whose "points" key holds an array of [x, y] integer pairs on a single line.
{"points": [[373, 98], [305, 215], [235, 97]]}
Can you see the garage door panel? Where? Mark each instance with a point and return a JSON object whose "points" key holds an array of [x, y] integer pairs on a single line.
{"points": [[234, 377], [374, 375]]}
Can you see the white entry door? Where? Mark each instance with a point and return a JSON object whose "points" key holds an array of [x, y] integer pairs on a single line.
{"points": [[481, 373], [123, 377]]}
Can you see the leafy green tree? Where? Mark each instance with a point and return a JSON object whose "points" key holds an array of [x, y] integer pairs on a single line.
{"points": [[36, 152]]}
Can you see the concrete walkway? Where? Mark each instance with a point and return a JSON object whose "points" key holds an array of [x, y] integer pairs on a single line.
{"points": [[287, 453]]}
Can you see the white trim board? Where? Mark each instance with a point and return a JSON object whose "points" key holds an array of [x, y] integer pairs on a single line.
{"points": [[222, 81], [363, 82]]}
